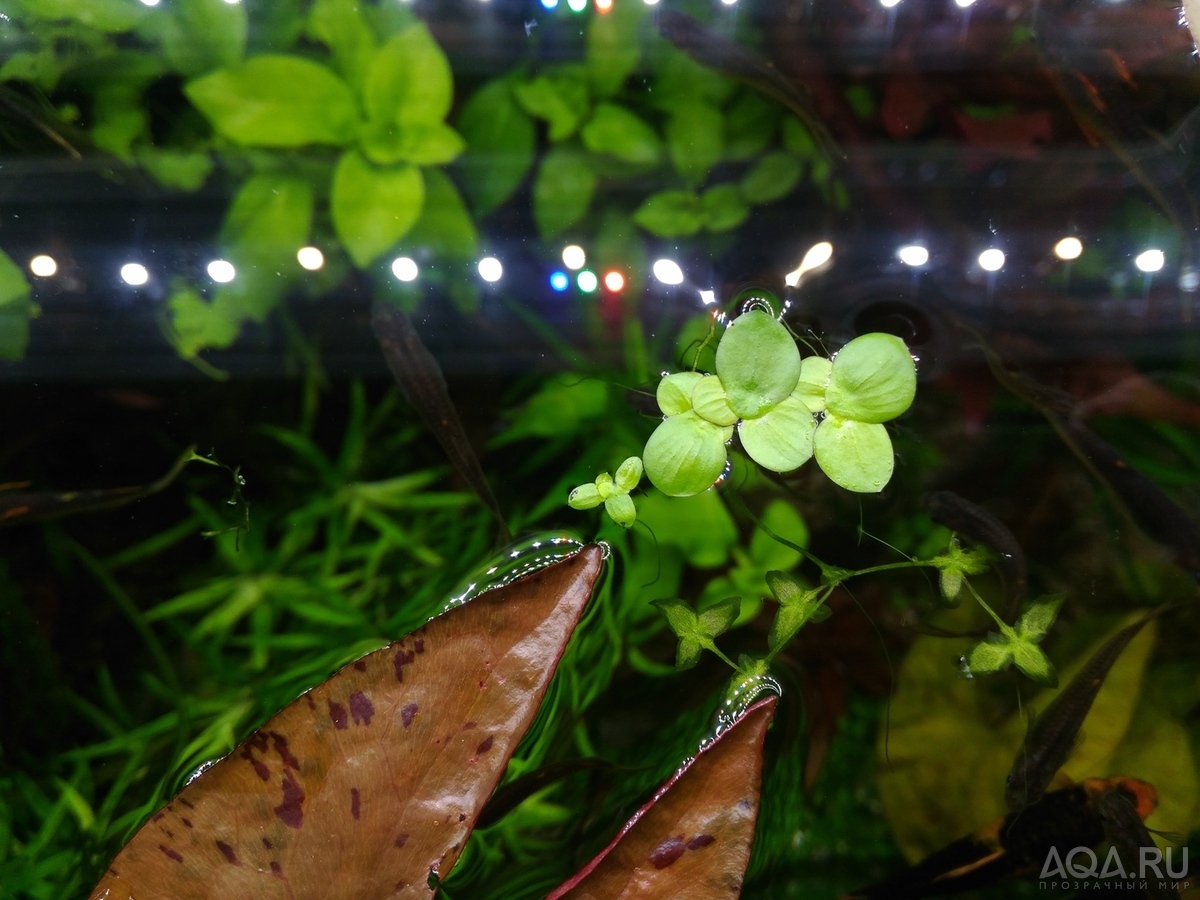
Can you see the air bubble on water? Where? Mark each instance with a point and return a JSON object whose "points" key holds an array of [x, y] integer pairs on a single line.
{"points": [[606, 550], [759, 303], [241, 479], [519, 559], [964, 666]]}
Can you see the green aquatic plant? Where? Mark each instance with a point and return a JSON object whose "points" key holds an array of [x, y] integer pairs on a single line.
{"points": [[773, 398], [613, 492]]}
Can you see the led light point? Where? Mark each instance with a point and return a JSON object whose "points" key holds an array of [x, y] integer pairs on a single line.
{"points": [[668, 272], [490, 269], [134, 274], [405, 269], [1068, 248], [1150, 260], [43, 266], [991, 260], [310, 258]]}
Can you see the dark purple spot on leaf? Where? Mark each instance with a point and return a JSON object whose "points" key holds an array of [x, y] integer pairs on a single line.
{"points": [[187, 822], [701, 840], [462, 817], [227, 852], [267, 843], [312, 704], [260, 767], [186, 803], [467, 726], [419, 645], [402, 840], [290, 811], [281, 747], [667, 852], [407, 714], [170, 833], [361, 708], [157, 816], [337, 714], [400, 660], [276, 869], [361, 666], [485, 745], [258, 741], [171, 854], [354, 803]]}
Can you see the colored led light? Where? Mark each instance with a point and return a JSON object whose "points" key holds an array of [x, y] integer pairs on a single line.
{"points": [[587, 281], [614, 281], [913, 255], [559, 281]]}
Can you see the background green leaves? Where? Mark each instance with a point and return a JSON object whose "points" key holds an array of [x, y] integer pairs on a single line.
{"points": [[373, 206], [277, 100]]}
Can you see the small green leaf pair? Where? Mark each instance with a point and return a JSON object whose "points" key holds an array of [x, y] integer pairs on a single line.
{"points": [[955, 564], [612, 492], [798, 606], [762, 386], [697, 631], [1019, 645]]}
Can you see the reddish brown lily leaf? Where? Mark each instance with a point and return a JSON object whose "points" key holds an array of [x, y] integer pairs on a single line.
{"points": [[371, 781], [693, 838]]}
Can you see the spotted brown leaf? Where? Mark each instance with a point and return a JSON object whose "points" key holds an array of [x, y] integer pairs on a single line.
{"points": [[693, 838], [369, 783]]}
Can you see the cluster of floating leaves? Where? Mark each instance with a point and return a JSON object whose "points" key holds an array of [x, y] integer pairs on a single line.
{"points": [[785, 410]]}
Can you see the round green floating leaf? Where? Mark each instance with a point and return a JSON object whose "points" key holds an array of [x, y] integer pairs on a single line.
{"points": [[757, 362], [855, 455], [629, 474], [710, 402], [782, 438], [585, 497], [873, 379], [674, 392], [814, 379], [621, 510], [685, 455]]}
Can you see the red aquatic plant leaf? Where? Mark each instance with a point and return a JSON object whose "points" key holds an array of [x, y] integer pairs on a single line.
{"points": [[693, 838], [371, 781]]}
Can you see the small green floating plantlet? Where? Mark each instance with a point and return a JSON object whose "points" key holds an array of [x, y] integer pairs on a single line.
{"points": [[612, 492]]}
